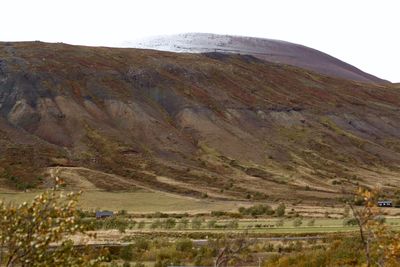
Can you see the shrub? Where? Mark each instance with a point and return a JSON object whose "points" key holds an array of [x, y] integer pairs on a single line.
{"points": [[196, 223], [218, 213], [183, 223], [311, 222], [233, 224], [28, 230], [297, 222], [184, 245], [204, 256], [142, 244], [122, 228], [235, 215], [380, 219], [141, 224], [211, 223], [155, 224], [256, 210], [280, 210], [349, 222], [126, 253], [112, 223], [359, 201], [169, 223], [167, 257], [269, 247], [122, 212]]}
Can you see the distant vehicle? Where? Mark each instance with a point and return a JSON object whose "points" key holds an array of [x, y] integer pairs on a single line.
{"points": [[385, 203], [104, 214]]}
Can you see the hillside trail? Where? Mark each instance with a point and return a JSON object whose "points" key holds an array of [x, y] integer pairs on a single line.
{"points": [[70, 175]]}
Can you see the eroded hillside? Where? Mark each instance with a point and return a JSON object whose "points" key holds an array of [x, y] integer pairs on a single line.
{"points": [[216, 125]]}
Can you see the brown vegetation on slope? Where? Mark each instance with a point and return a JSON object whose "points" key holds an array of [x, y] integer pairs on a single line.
{"points": [[265, 49], [239, 126]]}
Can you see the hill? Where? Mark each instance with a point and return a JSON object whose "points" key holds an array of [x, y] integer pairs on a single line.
{"points": [[205, 125], [266, 49]]}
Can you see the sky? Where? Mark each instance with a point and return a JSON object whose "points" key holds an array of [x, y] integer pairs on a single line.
{"points": [[364, 33]]}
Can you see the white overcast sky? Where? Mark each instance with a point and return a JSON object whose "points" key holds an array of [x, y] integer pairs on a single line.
{"points": [[364, 33]]}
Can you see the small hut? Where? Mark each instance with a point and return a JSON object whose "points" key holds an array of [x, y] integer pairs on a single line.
{"points": [[103, 214], [385, 203]]}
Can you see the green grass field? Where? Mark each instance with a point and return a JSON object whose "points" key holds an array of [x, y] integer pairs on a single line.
{"points": [[135, 202], [150, 202]]}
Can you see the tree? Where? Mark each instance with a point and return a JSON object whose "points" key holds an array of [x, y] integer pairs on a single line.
{"points": [[211, 224], [233, 224], [169, 223], [381, 244], [183, 223], [280, 210], [363, 218], [230, 250], [36, 233], [122, 227], [196, 223]]}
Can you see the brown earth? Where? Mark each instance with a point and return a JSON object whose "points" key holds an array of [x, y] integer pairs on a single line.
{"points": [[204, 125]]}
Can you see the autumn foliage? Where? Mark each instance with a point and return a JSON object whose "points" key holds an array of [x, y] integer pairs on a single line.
{"points": [[38, 233], [381, 243]]}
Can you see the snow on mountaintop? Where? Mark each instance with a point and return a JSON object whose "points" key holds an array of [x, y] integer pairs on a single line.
{"points": [[266, 49]]}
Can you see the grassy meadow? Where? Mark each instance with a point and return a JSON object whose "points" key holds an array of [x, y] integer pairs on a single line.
{"points": [[135, 202], [150, 202]]}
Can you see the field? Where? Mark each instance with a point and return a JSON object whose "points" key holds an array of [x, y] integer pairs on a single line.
{"points": [[176, 229], [136, 202], [257, 228], [314, 220]]}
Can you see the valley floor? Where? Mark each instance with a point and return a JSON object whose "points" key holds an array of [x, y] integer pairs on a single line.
{"points": [[143, 201]]}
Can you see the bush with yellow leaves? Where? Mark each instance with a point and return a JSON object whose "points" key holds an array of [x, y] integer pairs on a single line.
{"points": [[381, 243], [38, 233]]}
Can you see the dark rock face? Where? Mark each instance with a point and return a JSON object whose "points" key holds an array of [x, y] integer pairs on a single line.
{"points": [[211, 121]]}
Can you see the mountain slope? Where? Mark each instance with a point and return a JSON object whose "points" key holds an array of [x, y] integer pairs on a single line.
{"points": [[228, 126], [266, 49]]}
